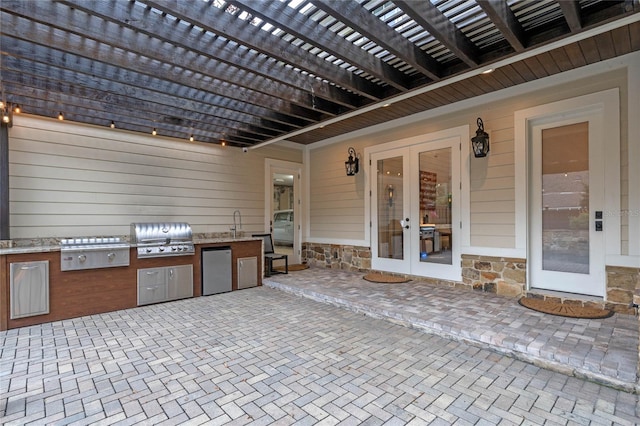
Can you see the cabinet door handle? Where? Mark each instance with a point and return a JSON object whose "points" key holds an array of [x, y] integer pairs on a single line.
{"points": [[171, 273], [29, 268], [152, 272]]}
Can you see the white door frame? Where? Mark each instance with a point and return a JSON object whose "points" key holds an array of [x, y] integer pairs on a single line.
{"points": [[460, 220], [604, 105], [290, 168]]}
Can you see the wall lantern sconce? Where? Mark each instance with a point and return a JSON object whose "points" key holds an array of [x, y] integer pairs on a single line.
{"points": [[480, 142], [353, 163], [7, 110], [6, 117], [390, 194]]}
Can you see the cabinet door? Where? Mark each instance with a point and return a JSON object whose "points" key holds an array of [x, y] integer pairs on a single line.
{"points": [[247, 272], [180, 281], [29, 289], [152, 285]]}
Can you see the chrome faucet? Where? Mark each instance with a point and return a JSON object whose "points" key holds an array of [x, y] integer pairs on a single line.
{"points": [[236, 225]]}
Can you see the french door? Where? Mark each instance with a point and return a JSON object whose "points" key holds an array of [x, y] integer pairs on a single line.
{"points": [[415, 202], [567, 243]]}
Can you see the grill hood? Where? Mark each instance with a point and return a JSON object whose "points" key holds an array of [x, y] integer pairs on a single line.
{"points": [[162, 239]]}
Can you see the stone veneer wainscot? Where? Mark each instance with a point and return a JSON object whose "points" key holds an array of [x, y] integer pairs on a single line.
{"points": [[505, 276], [622, 284], [334, 256]]}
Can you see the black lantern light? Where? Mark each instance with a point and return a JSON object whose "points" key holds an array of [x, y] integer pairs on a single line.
{"points": [[480, 142], [352, 164]]}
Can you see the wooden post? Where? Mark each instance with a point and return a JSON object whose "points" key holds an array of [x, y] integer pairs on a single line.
{"points": [[4, 182]]}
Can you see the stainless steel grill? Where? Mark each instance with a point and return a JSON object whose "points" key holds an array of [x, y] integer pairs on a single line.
{"points": [[93, 252], [162, 239]]}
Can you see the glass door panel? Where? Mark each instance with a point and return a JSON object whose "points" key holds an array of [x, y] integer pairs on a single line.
{"points": [[435, 198], [565, 198], [389, 208]]}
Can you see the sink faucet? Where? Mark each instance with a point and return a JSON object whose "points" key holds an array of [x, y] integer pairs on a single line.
{"points": [[236, 225]]}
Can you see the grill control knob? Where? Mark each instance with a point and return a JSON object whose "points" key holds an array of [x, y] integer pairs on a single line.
{"points": [[82, 258], [174, 248], [111, 256], [161, 248], [148, 249]]}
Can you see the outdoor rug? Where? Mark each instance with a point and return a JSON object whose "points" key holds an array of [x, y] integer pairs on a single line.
{"points": [[564, 310], [387, 279], [294, 267]]}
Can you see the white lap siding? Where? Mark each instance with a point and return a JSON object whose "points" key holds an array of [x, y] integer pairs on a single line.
{"points": [[72, 180]]}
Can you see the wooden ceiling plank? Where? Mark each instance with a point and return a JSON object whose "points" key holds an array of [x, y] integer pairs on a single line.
{"points": [[548, 63], [571, 11], [590, 50], [466, 86], [507, 79], [439, 26], [606, 47], [536, 67], [481, 83], [513, 71], [218, 21], [561, 59], [451, 93], [499, 12], [128, 40], [289, 20], [621, 40], [492, 81], [634, 33], [367, 24], [575, 55]]}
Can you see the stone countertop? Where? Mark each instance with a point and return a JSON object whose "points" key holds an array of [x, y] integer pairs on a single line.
{"points": [[224, 240], [50, 247], [29, 249]]}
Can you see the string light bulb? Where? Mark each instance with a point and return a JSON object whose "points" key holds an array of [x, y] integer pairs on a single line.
{"points": [[191, 138], [223, 142], [5, 117], [17, 109], [154, 131], [60, 116], [113, 124]]}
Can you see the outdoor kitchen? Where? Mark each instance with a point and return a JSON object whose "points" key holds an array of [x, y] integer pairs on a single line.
{"points": [[55, 279]]}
